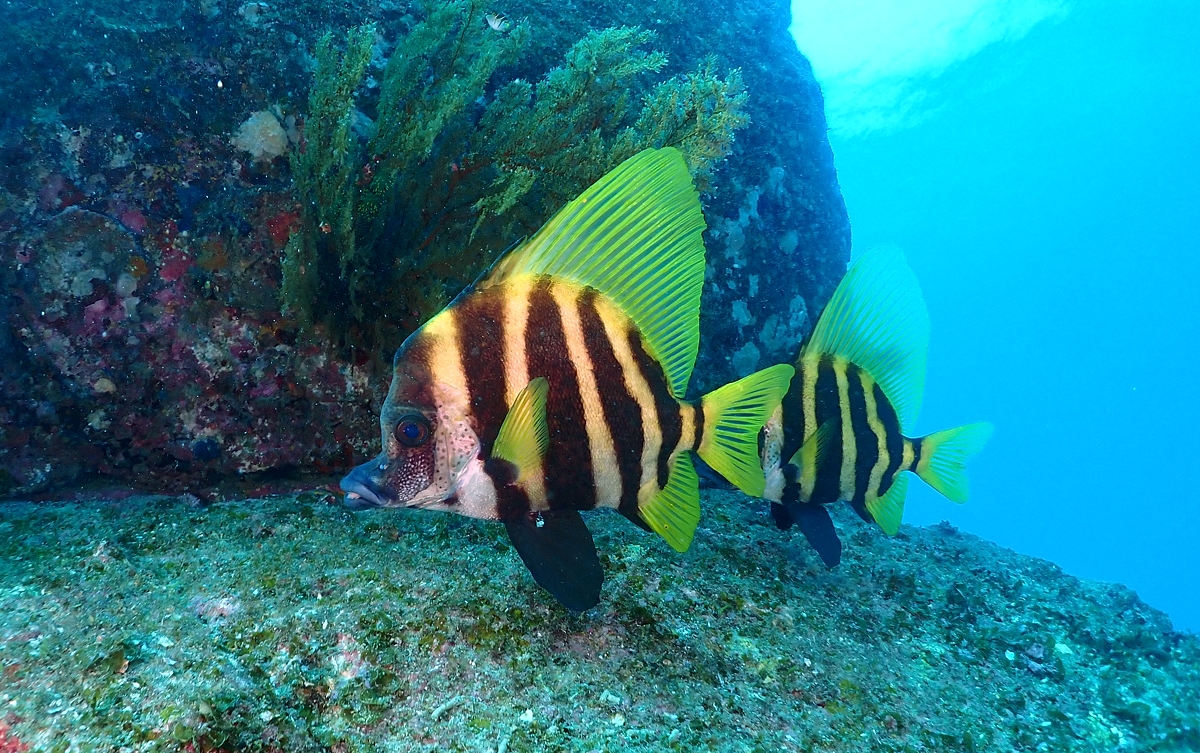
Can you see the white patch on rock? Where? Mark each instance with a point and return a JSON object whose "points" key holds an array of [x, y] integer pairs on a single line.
{"points": [[745, 360], [741, 314], [782, 335], [789, 242], [262, 136]]}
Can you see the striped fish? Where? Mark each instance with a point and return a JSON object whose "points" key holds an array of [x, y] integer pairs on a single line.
{"points": [[841, 426], [555, 385]]}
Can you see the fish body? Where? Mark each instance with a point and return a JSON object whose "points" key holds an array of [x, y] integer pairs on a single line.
{"points": [[555, 385], [839, 433], [616, 428]]}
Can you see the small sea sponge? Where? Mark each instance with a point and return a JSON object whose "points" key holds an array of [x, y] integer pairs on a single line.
{"points": [[262, 136]]}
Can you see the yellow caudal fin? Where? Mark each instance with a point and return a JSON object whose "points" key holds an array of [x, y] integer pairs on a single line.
{"points": [[733, 417], [944, 456]]}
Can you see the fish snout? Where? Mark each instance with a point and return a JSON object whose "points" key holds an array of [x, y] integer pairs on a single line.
{"points": [[363, 485]]}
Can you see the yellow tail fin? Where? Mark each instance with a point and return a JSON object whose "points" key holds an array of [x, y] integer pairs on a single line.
{"points": [[733, 417], [944, 456]]}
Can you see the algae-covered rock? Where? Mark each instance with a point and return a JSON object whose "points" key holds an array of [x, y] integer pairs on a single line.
{"points": [[290, 623], [135, 116]]}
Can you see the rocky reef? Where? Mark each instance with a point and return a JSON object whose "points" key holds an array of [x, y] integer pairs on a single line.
{"points": [[157, 214], [292, 624]]}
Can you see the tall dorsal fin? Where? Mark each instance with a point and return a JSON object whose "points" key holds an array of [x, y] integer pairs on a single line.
{"points": [[635, 236], [877, 320]]}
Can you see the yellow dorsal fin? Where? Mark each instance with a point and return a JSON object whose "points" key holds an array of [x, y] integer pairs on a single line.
{"points": [[877, 320], [635, 236], [808, 457], [524, 435]]}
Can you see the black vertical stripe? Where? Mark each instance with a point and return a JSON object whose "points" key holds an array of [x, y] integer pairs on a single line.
{"points": [[895, 440], [410, 375], [793, 415], [829, 471], [480, 321], [511, 502], [698, 412], [866, 443], [569, 480], [916, 445], [621, 411], [669, 420], [791, 485]]}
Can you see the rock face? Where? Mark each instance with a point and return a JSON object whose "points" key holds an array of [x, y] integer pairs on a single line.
{"points": [[140, 243], [292, 624]]}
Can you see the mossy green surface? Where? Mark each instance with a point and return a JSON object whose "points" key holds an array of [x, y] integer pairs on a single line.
{"points": [[293, 624]]}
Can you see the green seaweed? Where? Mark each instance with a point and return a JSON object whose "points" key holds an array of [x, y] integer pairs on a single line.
{"points": [[461, 160]]}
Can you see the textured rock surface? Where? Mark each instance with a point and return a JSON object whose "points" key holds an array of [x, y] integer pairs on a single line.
{"points": [[140, 247], [292, 624]]}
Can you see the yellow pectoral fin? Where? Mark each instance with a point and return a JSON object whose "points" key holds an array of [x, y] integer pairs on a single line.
{"points": [[808, 457], [524, 435]]}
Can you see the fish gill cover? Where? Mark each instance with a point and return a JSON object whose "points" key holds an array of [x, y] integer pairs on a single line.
{"points": [[217, 219]]}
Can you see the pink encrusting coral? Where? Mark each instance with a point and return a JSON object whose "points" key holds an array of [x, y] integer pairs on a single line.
{"points": [[8, 740]]}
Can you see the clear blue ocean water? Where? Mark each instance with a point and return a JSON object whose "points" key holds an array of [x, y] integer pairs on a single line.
{"points": [[1045, 185]]}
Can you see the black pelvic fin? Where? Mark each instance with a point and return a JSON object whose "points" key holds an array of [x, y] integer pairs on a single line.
{"points": [[863, 512], [783, 518], [635, 517], [557, 548], [817, 527], [710, 479]]}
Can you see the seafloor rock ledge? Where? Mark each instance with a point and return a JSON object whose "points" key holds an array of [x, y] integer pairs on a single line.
{"points": [[292, 624]]}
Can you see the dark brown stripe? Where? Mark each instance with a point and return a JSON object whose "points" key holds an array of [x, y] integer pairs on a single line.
{"points": [[569, 480], [698, 412], [511, 502], [894, 439], [793, 414], [411, 363], [669, 420], [791, 485], [621, 411], [828, 487], [865, 441], [480, 320]]}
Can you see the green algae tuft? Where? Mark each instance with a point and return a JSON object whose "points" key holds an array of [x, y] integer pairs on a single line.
{"points": [[411, 188]]}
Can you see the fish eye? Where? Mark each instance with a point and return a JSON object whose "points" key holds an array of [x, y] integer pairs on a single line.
{"points": [[412, 431]]}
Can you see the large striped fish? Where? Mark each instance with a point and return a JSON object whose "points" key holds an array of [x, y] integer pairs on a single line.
{"points": [[555, 385], [841, 426]]}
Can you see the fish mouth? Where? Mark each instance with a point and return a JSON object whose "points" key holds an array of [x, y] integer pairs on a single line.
{"points": [[361, 492]]}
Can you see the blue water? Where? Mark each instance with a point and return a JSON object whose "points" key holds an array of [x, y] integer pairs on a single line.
{"points": [[1049, 201]]}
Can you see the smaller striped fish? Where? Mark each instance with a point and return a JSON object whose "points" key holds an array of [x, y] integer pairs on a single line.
{"points": [[555, 385], [858, 384]]}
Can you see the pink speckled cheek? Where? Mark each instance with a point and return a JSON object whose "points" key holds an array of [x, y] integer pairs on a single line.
{"points": [[413, 475]]}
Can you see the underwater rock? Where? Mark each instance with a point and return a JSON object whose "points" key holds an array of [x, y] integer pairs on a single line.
{"points": [[292, 624], [140, 250]]}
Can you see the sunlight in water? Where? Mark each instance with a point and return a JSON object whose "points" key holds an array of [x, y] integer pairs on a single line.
{"points": [[876, 59]]}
